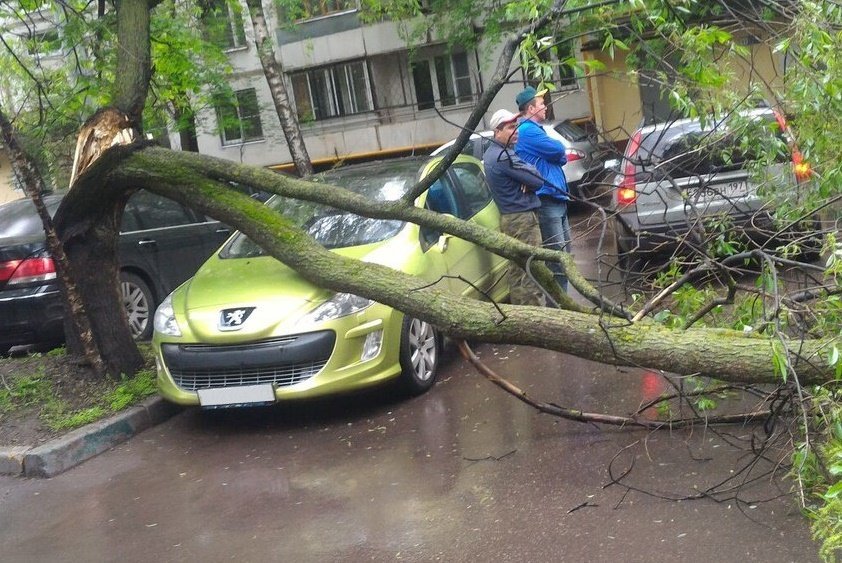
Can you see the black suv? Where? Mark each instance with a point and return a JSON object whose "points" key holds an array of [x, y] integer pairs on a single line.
{"points": [[162, 244]]}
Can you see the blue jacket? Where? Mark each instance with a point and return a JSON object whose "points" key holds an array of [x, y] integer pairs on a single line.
{"points": [[547, 155], [506, 174]]}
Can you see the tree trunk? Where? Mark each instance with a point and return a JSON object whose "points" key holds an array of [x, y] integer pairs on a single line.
{"points": [[274, 76], [725, 354], [134, 69]]}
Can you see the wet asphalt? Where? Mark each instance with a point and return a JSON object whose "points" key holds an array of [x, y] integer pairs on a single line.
{"points": [[462, 473]]}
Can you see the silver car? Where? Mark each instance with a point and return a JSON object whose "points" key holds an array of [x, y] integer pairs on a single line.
{"points": [[586, 159], [683, 183]]}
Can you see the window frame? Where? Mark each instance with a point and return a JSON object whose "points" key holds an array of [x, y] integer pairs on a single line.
{"points": [[451, 79], [237, 107], [236, 38], [342, 98]]}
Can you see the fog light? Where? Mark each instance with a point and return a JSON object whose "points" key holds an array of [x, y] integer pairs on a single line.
{"points": [[371, 346]]}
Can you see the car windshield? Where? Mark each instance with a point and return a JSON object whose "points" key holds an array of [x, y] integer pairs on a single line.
{"points": [[334, 228]]}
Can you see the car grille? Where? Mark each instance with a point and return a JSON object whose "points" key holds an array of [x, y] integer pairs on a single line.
{"points": [[279, 376], [280, 361]]}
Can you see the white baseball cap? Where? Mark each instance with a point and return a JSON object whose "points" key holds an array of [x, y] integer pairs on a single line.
{"points": [[502, 117]]}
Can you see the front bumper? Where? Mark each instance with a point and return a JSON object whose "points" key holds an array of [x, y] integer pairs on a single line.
{"points": [[321, 362]]}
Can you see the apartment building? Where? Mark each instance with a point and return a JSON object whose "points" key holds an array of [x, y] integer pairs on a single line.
{"points": [[357, 88]]}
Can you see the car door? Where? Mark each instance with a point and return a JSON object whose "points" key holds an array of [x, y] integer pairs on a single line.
{"points": [[463, 193], [164, 240]]}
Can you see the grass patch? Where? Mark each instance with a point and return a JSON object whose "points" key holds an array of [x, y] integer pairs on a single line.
{"points": [[50, 387]]}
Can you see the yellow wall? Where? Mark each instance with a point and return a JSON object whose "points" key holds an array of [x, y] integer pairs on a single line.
{"points": [[6, 191], [615, 97]]}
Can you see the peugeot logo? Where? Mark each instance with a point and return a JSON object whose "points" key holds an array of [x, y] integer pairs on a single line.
{"points": [[233, 319]]}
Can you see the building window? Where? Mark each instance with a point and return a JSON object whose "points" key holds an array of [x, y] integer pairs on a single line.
{"points": [[309, 9], [239, 122], [332, 91], [444, 80], [45, 43], [223, 23]]}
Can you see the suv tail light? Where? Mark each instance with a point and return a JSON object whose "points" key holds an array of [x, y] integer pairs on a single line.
{"points": [[800, 166], [627, 191], [15, 272], [573, 155]]}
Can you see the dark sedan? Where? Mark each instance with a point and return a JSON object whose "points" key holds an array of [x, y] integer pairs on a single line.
{"points": [[162, 244]]}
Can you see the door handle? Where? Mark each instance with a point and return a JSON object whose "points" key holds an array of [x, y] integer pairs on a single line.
{"points": [[147, 242], [223, 231]]}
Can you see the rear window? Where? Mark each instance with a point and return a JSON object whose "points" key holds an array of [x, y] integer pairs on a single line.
{"points": [[19, 218], [686, 149], [334, 228], [571, 131]]}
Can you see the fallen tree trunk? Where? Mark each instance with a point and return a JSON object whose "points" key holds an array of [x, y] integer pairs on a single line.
{"points": [[724, 354]]}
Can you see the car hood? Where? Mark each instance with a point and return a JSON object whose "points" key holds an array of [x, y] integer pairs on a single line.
{"points": [[275, 295]]}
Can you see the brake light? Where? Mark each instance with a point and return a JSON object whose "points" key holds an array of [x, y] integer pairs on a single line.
{"points": [[30, 270], [573, 155], [802, 169], [627, 191]]}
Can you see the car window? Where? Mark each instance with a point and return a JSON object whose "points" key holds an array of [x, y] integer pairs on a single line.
{"points": [[571, 131], [441, 198], [471, 188], [150, 211]]}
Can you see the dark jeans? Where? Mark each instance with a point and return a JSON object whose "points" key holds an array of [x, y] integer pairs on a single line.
{"points": [[555, 230]]}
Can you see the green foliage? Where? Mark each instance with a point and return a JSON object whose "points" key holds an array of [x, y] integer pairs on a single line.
{"points": [[24, 391], [820, 469], [36, 391], [131, 390]]}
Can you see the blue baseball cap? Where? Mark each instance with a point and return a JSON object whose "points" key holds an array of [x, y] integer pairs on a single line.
{"points": [[527, 95]]}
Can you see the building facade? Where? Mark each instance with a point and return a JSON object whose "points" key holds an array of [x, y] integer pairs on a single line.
{"points": [[358, 90]]}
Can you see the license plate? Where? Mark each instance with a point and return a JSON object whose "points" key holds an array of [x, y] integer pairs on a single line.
{"points": [[726, 190], [247, 395]]}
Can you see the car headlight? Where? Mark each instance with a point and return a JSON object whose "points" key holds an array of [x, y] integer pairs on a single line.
{"points": [[165, 322], [340, 305]]}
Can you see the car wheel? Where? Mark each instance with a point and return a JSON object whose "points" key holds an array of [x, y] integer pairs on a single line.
{"points": [[139, 303], [419, 357]]}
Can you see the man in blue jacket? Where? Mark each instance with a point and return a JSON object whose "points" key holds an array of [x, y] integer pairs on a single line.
{"points": [[513, 184], [547, 155]]}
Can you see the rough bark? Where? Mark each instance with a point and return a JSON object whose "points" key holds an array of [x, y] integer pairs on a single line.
{"points": [[274, 76], [90, 242], [724, 354], [134, 68]]}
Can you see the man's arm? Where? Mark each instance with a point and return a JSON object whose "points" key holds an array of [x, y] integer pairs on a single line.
{"points": [[521, 172], [542, 145]]}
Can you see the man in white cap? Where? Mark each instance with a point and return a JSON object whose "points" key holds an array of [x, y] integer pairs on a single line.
{"points": [[548, 156], [513, 184]]}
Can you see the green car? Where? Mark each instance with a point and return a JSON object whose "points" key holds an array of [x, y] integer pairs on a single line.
{"points": [[247, 330]]}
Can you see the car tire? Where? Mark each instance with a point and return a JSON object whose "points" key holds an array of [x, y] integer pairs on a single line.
{"points": [[419, 355], [139, 302]]}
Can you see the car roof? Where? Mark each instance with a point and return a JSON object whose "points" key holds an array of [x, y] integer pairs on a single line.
{"points": [[678, 123]]}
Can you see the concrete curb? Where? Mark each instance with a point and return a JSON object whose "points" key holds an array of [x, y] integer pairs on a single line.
{"points": [[54, 457]]}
